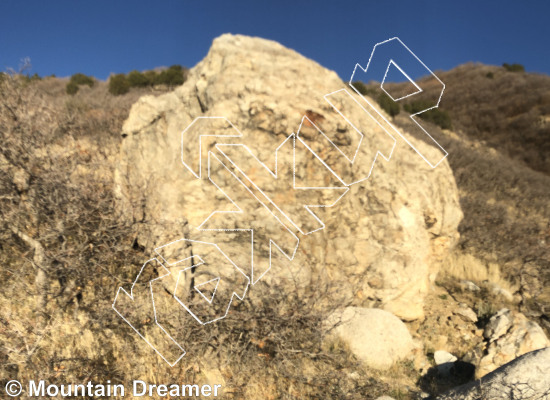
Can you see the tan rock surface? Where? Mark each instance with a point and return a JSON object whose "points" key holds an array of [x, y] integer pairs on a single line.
{"points": [[383, 240], [376, 337]]}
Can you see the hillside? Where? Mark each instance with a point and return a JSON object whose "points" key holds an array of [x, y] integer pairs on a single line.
{"points": [[505, 110], [91, 185], [499, 150]]}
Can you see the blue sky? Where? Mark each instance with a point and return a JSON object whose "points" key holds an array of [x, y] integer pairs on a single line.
{"points": [[100, 37]]}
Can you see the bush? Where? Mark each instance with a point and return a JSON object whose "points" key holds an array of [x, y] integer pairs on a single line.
{"points": [[388, 105], [71, 88], [81, 79], [118, 84], [151, 77], [172, 76], [33, 77], [513, 67], [363, 89], [490, 75], [435, 115], [137, 79]]}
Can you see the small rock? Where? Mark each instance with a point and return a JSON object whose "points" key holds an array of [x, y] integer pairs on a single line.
{"points": [[385, 398], [498, 325], [469, 285], [445, 362], [467, 314], [21, 180], [498, 291], [442, 357]]}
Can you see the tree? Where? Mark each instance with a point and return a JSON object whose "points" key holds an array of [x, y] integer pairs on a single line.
{"points": [[363, 89], [435, 115], [151, 77]]}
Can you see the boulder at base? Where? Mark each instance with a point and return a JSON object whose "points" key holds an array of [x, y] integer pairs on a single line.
{"points": [[374, 336]]}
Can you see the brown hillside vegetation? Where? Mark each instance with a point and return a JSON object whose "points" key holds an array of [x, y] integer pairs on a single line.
{"points": [[499, 151], [64, 251], [506, 213], [508, 111]]}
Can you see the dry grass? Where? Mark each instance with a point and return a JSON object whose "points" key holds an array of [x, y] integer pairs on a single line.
{"points": [[465, 266]]}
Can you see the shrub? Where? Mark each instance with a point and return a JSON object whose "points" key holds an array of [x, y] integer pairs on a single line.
{"points": [[118, 84], [151, 77], [71, 88], [438, 117], [137, 79], [490, 75], [435, 115], [81, 79], [34, 77], [363, 89], [513, 67], [172, 76], [388, 105]]}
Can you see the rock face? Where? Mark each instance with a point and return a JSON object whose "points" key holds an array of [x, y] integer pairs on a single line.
{"points": [[525, 378], [509, 335], [375, 336], [383, 240]]}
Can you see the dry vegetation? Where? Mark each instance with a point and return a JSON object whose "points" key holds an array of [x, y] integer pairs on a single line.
{"points": [[506, 223], [499, 152], [508, 111], [502, 108], [64, 253]]}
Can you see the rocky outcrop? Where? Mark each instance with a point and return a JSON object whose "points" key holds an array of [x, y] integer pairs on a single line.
{"points": [[382, 242], [525, 378], [509, 335], [376, 337]]}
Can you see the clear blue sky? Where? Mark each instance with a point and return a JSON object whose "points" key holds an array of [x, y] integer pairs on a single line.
{"points": [[98, 37]]}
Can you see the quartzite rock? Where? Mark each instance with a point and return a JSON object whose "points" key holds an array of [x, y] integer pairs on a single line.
{"points": [[376, 245]]}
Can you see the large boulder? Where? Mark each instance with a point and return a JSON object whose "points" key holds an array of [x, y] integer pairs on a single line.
{"points": [[383, 240], [525, 378]]}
